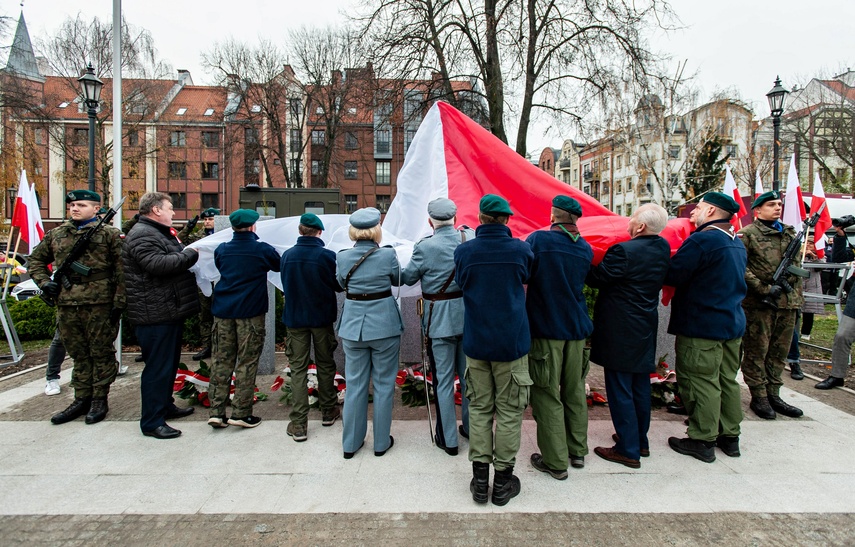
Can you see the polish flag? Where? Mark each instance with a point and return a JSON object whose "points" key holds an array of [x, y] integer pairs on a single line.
{"points": [[758, 186], [26, 216], [824, 222], [732, 190], [794, 204]]}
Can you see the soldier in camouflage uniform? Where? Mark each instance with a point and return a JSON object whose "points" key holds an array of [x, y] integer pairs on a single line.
{"points": [[187, 236], [769, 331], [239, 305], [88, 313]]}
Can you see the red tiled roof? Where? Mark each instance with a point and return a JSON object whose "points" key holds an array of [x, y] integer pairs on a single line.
{"points": [[60, 90], [197, 100]]}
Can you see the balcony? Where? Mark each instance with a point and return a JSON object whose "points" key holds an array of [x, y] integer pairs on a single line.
{"points": [[565, 164]]}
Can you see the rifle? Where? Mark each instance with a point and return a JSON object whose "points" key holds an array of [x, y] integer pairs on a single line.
{"points": [[61, 276], [786, 266]]}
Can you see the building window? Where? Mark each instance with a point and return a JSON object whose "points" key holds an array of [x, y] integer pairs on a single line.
{"points": [[250, 135], [178, 170], [37, 169], [210, 200], [133, 138], [350, 169], [179, 200], [133, 169], [617, 210], [383, 141], [296, 140], [629, 209], [251, 169], [210, 139], [732, 150], [81, 137], [618, 186], [210, 170], [296, 170], [296, 106], [39, 135], [178, 138], [350, 203], [674, 152], [319, 111], [384, 172], [316, 167], [350, 141], [383, 203], [409, 135], [618, 162], [319, 136]]}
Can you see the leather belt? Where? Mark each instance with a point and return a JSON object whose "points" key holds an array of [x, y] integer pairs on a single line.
{"points": [[442, 296], [366, 297], [79, 279]]}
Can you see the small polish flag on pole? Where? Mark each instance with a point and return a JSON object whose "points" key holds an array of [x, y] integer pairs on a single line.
{"points": [[731, 189]]}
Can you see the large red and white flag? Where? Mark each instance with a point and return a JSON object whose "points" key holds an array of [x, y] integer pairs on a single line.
{"points": [[26, 216], [732, 190], [824, 222], [758, 186], [794, 203]]}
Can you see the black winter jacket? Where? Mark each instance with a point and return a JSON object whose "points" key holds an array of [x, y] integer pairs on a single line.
{"points": [[159, 285]]}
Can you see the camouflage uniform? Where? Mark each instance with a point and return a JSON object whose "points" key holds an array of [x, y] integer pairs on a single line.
{"points": [[84, 310], [768, 332], [235, 341], [206, 320]]}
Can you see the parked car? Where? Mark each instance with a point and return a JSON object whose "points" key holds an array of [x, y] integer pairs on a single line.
{"points": [[25, 289]]}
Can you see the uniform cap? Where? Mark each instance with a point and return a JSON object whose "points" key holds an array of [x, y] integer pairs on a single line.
{"points": [[494, 205], [210, 212], [763, 198], [566, 203], [243, 218], [722, 201], [82, 195], [367, 217], [442, 209], [311, 220]]}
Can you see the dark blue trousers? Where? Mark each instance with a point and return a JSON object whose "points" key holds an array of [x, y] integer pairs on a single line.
{"points": [[161, 350], [629, 405]]}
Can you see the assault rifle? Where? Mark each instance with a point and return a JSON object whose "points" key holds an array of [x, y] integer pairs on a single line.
{"points": [[786, 266], [62, 275]]}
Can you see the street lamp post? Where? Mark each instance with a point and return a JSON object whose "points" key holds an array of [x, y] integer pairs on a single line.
{"points": [[91, 88], [777, 95]]}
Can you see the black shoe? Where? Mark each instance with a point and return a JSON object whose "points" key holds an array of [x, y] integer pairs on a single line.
{"points": [[830, 383], [204, 354], [97, 411], [506, 485], [761, 407], [728, 445], [163, 432], [77, 408], [138, 359], [676, 408], [348, 455], [782, 407], [480, 483], [450, 450], [247, 422], [177, 412], [537, 463], [796, 372], [383, 452], [577, 462], [463, 434], [701, 450]]}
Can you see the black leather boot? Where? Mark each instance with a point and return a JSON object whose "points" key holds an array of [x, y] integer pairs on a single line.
{"points": [[98, 411], [761, 407], [506, 485], [782, 407], [796, 372], [203, 354], [78, 407], [480, 481]]}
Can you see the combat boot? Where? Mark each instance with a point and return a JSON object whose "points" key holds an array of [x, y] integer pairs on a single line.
{"points": [[98, 411], [480, 481], [796, 372], [506, 485], [782, 407], [204, 353], [761, 407], [78, 407]]}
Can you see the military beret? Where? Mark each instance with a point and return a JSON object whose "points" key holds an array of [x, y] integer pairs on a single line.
{"points": [[311, 220], [566, 203], [243, 218], [442, 209], [763, 198], [367, 217], [722, 201], [82, 195], [210, 212], [494, 205]]}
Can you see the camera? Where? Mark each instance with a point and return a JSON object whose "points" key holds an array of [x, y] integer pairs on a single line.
{"points": [[843, 222]]}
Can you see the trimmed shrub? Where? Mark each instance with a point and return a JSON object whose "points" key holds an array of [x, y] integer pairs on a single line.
{"points": [[33, 319]]}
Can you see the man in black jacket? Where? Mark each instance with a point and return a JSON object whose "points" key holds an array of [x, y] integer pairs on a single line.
{"points": [[161, 294]]}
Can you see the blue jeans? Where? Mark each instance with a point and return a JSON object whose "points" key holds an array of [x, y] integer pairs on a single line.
{"points": [[794, 355], [56, 355]]}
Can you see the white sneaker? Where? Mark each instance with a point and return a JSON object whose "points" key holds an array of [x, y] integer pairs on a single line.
{"points": [[123, 369], [52, 387], [806, 337]]}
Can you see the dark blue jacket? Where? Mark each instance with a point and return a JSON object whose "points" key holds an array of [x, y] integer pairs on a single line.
{"points": [[841, 252], [307, 271], [492, 269], [554, 302], [243, 262], [708, 274]]}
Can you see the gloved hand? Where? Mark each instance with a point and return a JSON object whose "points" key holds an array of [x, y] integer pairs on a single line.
{"points": [[192, 223], [51, 289], [116, 315], [775, 291]]}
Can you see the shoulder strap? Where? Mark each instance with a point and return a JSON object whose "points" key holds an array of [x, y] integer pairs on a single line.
{"points": [[357, 264]]}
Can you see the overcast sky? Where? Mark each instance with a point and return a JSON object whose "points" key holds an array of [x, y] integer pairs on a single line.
{"points": [[741, 44]]}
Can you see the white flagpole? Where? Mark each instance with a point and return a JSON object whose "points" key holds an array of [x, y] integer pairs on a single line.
{"points": [[117, 138]]}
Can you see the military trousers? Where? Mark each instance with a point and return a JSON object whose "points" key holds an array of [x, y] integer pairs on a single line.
{"points": [[374, 361], [206, 320], [298, 345], [500, 389], [558, 403], [237, 345], [449, 361], [88, 335], [768, 335], [706, 371]]}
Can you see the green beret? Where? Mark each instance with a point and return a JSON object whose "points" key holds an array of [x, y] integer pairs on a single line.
{"points": [[210, 212], [566, 203], [722, 201], [82, 195], [367, 217], [763, 198], [243, 218], [311, 220], [494, 205], [442, 209]]}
